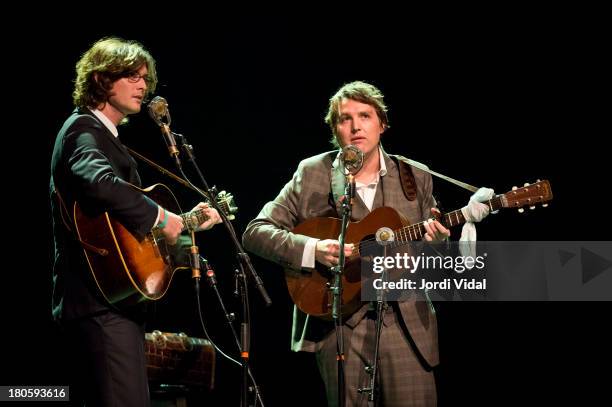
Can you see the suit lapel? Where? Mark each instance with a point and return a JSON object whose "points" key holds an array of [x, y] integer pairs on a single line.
{"points": [[132, 176], [337, 183], [390, 179], [111, 136]]}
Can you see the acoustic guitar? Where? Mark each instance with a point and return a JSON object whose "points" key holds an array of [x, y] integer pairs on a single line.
{"points": [[128, 269], [309, 289]]}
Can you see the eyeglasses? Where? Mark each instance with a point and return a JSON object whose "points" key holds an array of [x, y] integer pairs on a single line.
{"points": [[134, 77]]}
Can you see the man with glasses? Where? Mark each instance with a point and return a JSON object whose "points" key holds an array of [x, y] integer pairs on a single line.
{"points": [[92, 167]]}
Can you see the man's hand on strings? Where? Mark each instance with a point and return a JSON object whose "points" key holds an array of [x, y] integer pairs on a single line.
{"points": [[212, 214], [328, 251], [435, 230]]}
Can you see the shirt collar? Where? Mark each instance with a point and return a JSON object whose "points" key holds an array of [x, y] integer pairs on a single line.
{"points": [[106, 121], [381, 173], [383, 167]]}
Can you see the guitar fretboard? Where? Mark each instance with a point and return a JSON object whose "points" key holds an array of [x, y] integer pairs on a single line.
{"points": [[450, 219], [191, 220], [417, 231]]}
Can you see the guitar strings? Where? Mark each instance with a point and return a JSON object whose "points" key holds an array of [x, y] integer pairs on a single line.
{"points": [[417, 230], [410, 232]]}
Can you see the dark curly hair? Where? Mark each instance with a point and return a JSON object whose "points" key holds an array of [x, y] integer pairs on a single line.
{"points": [[108, 60]]}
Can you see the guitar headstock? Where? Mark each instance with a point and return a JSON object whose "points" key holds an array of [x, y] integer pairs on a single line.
{"points": [[227, 204], [529, 195]]}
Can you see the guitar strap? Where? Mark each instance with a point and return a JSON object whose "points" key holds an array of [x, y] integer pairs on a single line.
{"points": [[406, 178], [420, 166]]}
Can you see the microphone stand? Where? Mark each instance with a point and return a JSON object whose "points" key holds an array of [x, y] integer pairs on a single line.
{"points": [[336, 288], [158, 108], [171, 143], [210, 195], [244, 262], [372, 369], [245, 340], [246, 370]]}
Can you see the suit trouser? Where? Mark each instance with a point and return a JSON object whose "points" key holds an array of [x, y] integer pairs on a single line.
{"points": [[108, 361], [403, 381]]}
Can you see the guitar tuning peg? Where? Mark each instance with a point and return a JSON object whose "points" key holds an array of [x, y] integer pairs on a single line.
{"points": [[532, 207], [514, 188], [526, 184], [544, 205], [521, 210]]}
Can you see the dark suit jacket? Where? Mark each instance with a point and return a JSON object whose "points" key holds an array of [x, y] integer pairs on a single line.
{"points": [[314, 191], [91, 166]]}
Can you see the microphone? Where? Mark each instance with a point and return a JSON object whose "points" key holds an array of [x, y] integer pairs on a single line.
{"points": [[352, 158], [385, 236], [158, 110]]}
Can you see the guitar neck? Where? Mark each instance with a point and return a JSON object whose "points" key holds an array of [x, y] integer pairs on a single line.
{"points": [[225, 202], [450, 219], [191, 220]]}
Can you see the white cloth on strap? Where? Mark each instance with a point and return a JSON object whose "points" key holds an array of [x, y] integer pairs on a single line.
{"points": [[474, 211]]}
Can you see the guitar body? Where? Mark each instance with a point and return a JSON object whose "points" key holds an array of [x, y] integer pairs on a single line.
{"points": [[309, 291], [127, 269]]}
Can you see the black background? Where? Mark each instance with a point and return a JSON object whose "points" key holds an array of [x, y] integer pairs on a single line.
{"points": [[494, 102]]}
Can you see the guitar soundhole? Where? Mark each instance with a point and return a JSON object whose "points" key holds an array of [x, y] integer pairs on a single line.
{"points": [[325, 272], [369, 248]]}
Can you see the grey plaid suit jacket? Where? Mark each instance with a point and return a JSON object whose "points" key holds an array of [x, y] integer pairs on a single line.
{"points": [[314, 191]]}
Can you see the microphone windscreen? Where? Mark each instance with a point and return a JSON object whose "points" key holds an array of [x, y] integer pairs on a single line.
{"points": [[158, 108], [352, 158]]}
